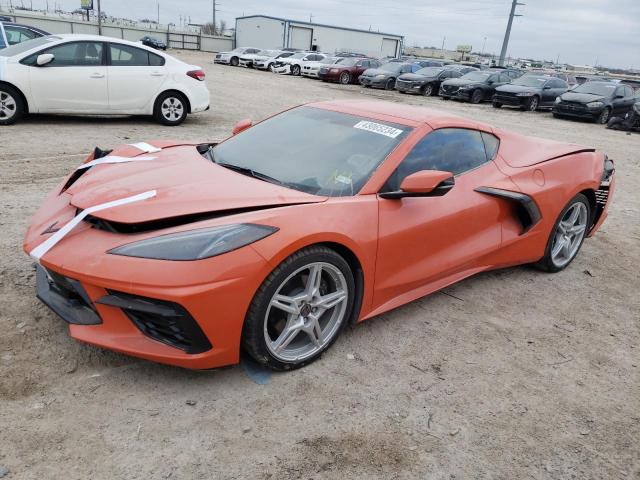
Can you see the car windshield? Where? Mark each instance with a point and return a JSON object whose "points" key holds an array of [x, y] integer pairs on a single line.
{"points": [[430, 71], [391, 67], [282, 150], [329, 60], [596, 88], [348, 62], [299, 55], [530, 81], [268, 53], [476, 76], [19, 48]]}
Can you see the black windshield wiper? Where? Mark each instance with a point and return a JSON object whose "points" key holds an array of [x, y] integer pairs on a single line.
{"points": [[252, 173]]}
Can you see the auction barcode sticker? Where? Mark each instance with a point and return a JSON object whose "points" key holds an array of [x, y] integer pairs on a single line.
{"points": [[378, 128]]}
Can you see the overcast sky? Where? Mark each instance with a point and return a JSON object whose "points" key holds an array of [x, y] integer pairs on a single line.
{"points": [[578, 31]]}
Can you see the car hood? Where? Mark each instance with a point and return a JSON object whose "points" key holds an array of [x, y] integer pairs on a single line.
{"points": [[460, 82], [581, 97], [372, 72], [185, 182], [517, 89], [413, 77]]}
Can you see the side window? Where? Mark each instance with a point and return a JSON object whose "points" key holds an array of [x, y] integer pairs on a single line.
{"points": [[504, 78], [18, 34], [628, 91], [493, 78], [126, 56], [75, 54], [155, 60], [455, 150], [491, 144], [619, 91]]}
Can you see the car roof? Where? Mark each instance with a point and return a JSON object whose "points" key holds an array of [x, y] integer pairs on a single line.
{"points": [[401, 113]]}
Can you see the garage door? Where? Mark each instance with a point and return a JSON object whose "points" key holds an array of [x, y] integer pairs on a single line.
{"points": [[300, 37], [389, 47]]}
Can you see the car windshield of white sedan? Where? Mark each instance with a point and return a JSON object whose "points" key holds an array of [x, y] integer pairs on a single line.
{"points": [[312, 150], [23, 47]]}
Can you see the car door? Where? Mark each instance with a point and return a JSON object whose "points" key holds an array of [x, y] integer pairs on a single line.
{"points": [[558, 87], [629, 98], [136, 77], [360, 67], [75, 81], [618, 103], [424, 240]]}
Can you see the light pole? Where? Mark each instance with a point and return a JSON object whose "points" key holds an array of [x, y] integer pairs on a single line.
{"points": [[99, 18], [505, 42]]}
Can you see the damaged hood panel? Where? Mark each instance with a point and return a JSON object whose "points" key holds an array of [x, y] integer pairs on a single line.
{"points": [[186, 184]]}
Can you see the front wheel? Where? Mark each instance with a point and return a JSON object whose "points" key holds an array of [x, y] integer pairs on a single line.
{"points": [[476, 96], [295, 70], [171, 109], [497, 105], [532, 104], [234, 61], [567, 235], [345, 78], [391, 83], [11, 105], [603, 118], [428, 90], [300, 309]]}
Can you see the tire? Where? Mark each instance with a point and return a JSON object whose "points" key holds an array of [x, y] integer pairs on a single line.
{"points": [[532, 104], [171, 108], [603, 118], [445, 98], [295, 70], [428, 90], [234, 61], [563, 228], [476, 96], [264, 333], [345, 78], [496, 104], [12, 107], [391, 84], [556, 115], [270, 67], [402, 91]]}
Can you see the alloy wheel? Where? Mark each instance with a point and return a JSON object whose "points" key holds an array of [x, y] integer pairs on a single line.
{"points": [[306, 312], [533, 104], [345, 78], [172, 108], [8, 106], [428, 90], [569, 234]]}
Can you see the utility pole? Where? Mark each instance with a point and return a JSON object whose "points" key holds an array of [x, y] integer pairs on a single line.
{"points": [[505, 42], [214, 18], [158, 13], [99, 19], [484, 42]]}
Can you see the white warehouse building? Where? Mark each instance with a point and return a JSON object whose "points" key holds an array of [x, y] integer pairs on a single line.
{"points": [[262, 31]]}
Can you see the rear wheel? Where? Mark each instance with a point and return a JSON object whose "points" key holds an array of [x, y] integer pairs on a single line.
{"points": [[345, 78], [300, 309], [476, 96], [428, 90], [12, 107], [604, 116], [567, 235], [171, 108]]}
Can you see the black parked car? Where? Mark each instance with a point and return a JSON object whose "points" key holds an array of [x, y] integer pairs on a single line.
{"points": [[474, 86], [426, 81], [596, 101], [153, 43], [385, 75], [530, 92]]}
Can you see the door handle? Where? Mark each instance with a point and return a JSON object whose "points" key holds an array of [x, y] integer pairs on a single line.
{"points": [[97, 75], [157, 74]]}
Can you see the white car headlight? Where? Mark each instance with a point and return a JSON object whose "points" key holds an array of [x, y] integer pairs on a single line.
{"points": [[380, 76], [524, 94], [595, 104], [558, 100]]}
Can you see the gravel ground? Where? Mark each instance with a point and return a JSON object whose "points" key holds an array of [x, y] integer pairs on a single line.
{"points": [[513, 374]]}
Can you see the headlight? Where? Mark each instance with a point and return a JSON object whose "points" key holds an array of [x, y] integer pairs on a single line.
{"points": [[380, 77], [334, 70], [196, 244], [524, 94], [595, 104], [467, 87], [558, 100]]}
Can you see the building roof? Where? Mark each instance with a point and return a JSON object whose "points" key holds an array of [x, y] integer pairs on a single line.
{"points": [[288, 20]]}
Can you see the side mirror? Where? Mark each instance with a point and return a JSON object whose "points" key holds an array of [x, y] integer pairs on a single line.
{"points": [[619, 96], [546, 87], [241, 126], [44, 59], [425, 183]]}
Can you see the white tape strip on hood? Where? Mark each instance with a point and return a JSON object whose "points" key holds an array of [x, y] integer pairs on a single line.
{"points": [[114, 159], [50, 242], [145, 147]]}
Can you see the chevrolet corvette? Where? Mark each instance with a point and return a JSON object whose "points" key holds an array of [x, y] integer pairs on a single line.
{"points": [[185, 253]]}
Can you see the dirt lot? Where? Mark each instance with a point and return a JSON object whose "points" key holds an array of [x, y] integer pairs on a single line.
{"points": [[512, 374]]}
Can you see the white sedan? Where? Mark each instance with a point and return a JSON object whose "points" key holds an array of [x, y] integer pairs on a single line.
{"points": [[94, 75], [293, 65], [312, 69]]}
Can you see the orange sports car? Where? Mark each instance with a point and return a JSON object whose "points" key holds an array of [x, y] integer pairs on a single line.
{"points": [[276, 238]]}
